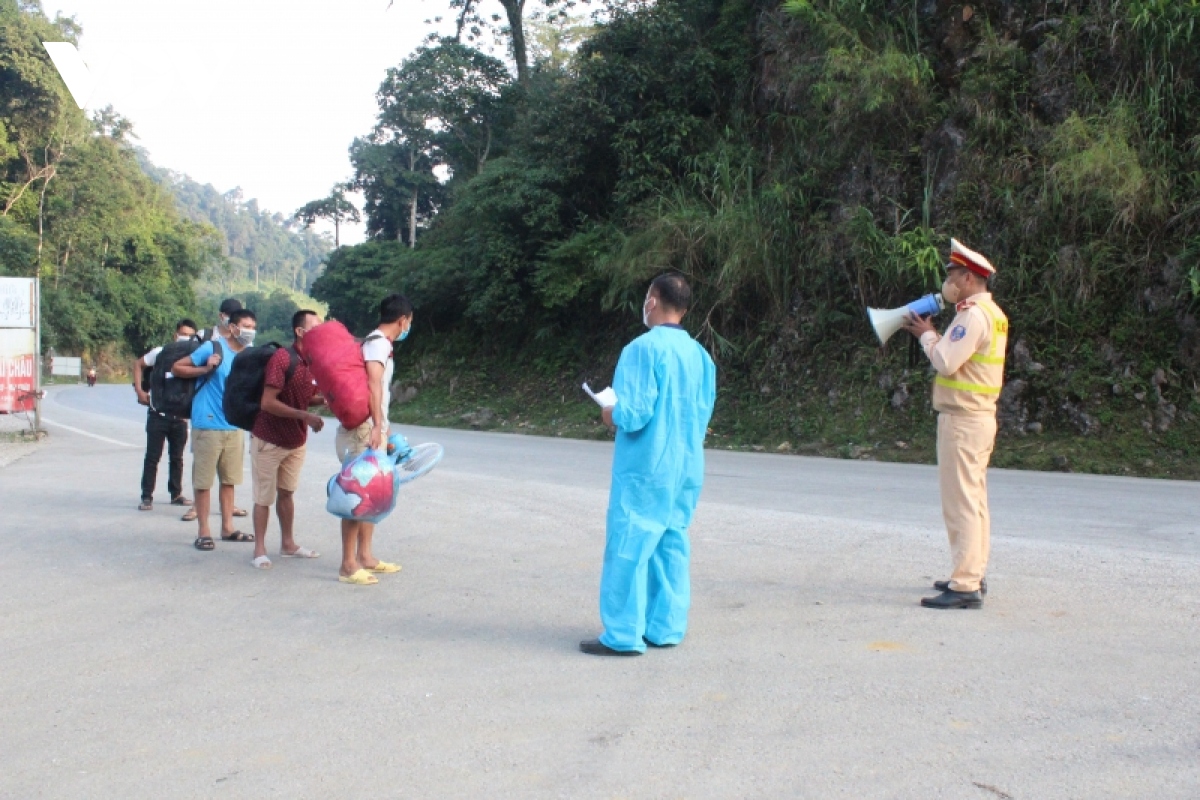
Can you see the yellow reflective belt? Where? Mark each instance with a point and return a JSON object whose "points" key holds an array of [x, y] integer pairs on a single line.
{"points": [[966, 387], [979, 359]]}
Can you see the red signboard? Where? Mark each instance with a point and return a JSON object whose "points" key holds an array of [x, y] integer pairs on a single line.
{"points": [[18, 369]]}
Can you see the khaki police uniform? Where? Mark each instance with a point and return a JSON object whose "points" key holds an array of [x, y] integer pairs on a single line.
{"points": [[969, 359]]}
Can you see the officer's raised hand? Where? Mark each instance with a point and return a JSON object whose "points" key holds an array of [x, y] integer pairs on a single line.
{"points": [[917, 326]]}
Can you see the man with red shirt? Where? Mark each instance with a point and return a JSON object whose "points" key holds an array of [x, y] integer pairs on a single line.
{"points": [[278, 441]]}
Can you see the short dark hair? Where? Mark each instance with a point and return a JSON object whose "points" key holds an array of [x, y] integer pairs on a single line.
{"points": [[393, 308], [230, 305], [672, 291], [186, 323], [241, 314], [299, 317]]}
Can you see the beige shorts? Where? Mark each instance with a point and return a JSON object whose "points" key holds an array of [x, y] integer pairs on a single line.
{"points": [[352, 443], [273, 469], [216, 454]]}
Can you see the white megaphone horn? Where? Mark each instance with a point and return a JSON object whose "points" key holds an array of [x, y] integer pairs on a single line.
{"points": [[886, 321]]}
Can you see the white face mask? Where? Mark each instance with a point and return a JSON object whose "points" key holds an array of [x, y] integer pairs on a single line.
{"points": [[224, 321], [179, 337], [950, 292], [245, 337], [646, 310]]}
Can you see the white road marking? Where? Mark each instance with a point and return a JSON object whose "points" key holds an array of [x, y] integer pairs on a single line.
{"points": [[86, 433]]}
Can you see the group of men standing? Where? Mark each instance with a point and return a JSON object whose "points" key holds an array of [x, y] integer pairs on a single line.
{"points": [[664, 391], [278, 439]]}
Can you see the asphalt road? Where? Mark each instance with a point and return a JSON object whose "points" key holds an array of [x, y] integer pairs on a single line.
{"points": [[132, 665]]}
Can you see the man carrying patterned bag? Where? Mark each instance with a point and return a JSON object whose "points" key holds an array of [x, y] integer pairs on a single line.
{"points": [[279, 440], [969, 362]]}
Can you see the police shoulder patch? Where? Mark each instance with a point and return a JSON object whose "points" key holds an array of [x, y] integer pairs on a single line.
{"points": [[957, 333]]}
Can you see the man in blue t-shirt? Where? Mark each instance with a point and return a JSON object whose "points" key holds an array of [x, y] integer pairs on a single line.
{"points": [[217, 446]]}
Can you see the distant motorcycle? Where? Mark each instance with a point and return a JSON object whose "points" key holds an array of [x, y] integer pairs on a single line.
{"points": [[91, 377]]}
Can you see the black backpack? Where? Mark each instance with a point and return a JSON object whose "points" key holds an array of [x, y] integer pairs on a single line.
{"points": [[170, 394], [246, 381]]}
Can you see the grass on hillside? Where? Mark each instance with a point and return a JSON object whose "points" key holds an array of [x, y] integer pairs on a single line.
{"points": [[853, 421]]}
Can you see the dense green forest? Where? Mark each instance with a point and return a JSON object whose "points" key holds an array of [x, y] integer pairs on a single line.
{"points": [[259, 247], [799, 162], [117, 261], [123, 248]]}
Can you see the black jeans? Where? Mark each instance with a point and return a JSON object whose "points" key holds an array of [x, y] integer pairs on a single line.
{"points": [[174, 432]]}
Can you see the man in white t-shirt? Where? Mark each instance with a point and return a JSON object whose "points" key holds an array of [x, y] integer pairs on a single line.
{"points": [[395, 321], [162, 428]]}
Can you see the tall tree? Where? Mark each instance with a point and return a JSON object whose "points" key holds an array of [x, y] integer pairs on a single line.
{"points": [[335, 208], [440, 108]]}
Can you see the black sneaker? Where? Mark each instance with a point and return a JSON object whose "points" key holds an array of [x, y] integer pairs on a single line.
{"points": [[594, 647], [952, 599], [943, 586]]}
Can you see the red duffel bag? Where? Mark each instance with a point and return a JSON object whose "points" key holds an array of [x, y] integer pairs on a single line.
{"points": [[335, 360]]}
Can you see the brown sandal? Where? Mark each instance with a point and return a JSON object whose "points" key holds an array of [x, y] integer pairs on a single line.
{"points": [[190, 516], [238, 536]]}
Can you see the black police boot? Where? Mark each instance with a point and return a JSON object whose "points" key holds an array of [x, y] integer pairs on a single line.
{"points": [[594, 647], [953, 599], [942, 586]]}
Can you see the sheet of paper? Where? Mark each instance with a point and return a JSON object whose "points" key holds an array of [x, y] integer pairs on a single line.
{"points": [[604, 399]]}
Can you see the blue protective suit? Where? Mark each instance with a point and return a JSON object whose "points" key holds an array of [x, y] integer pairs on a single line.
{"points": [[666, 385]]}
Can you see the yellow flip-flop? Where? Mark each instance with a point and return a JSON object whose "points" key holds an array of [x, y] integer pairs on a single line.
{"points": [[360, 578], [384, 568]]}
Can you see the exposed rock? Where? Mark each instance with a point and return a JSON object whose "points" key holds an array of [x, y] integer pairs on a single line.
{"points": [[902, 445], [1084, 422], [886, 380], [403, 396], [1020, 358], [1164, 416], [1034, 428], [479, 418], [786, 447], [900, 397], [1062, 464], [1011, 411]]}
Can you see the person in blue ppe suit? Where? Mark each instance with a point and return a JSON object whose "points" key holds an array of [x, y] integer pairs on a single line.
{"points": [[665, 387]]}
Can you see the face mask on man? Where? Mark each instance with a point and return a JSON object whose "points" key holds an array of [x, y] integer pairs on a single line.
{"points": [[181, 337], [404, 335], [245, 337], [950, 291], [646, 310], [224, 321]]}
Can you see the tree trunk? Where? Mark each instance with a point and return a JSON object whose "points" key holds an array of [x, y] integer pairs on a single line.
{"points": [[412, 206], [515, 10], [337, 236]]}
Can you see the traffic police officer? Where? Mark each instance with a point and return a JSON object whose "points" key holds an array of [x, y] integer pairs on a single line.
{"points": [[969, 360]]}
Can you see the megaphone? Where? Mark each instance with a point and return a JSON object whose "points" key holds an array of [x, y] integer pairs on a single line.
{"points": [[886, 321]]}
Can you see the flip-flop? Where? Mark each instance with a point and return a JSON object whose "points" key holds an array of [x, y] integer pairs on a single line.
{"points": [[238, 536], [204, 543], [301, 552], [360, 578], [146, 507], [241, 512], [383, 568], [190, 516], [180, 501], [262, 562]]}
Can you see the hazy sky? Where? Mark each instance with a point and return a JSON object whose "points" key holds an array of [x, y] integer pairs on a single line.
{"points": [[262, 94]]}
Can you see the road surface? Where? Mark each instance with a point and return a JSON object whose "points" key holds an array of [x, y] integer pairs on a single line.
{"points": [[133, 665]]}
